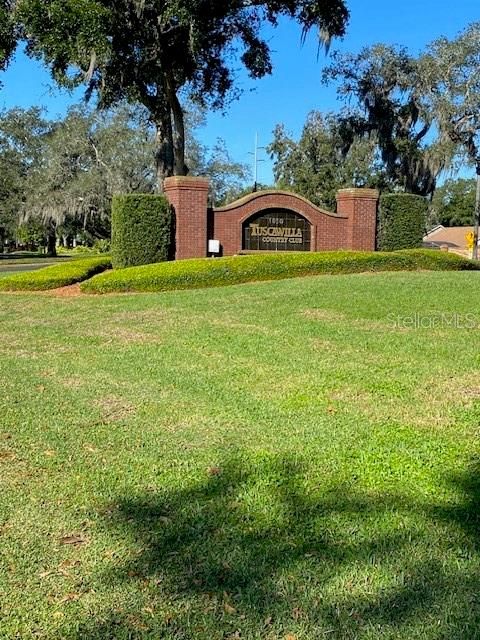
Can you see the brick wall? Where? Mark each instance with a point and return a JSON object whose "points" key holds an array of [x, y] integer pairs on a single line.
{"points": [[360, 205], [189, 198], [352, 227]]}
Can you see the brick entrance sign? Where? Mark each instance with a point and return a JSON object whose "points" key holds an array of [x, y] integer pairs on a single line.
{"points": [[269, 221]]}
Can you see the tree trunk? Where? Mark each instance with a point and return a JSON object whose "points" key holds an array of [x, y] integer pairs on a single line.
{"points": [[52, 241], [164, 154], [179, 169], [167, 115]]}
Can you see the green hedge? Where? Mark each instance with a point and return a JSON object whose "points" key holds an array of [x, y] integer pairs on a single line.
{"points": [[142, 230], [209, 272], [401, 221], [58, 275]]}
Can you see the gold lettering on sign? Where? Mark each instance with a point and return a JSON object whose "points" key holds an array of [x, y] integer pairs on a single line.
{"points": [[276, 234]]}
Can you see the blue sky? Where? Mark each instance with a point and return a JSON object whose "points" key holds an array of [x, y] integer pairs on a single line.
{"points": [[294, 89]]}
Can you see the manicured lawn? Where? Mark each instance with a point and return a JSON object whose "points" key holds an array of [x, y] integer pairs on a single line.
{"points": [[267, 461]]}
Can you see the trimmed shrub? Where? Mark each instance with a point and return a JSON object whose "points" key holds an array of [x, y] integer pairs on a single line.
{"points": [[102, 246], [208, 272], [142, 230], [58, 275], [401, 221]]}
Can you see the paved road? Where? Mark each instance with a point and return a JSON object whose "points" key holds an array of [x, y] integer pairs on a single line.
{"points": [[6, 269]]}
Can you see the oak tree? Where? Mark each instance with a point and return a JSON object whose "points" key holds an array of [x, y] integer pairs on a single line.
{"points": [[451, 75], [454, 203], [383, 90], [23, 137], [318, 164], [153, 51], [8, 35]]}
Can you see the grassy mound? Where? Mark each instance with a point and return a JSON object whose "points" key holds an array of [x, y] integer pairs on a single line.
{"points": [[58, 275], [293, 459], [194, 274]]}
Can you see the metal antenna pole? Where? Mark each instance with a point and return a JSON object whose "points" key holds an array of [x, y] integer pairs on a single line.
{"points": [[256, 160]]}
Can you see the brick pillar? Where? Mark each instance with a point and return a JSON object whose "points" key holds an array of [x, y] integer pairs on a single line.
{"points": [[360, 205], [189, 197]]}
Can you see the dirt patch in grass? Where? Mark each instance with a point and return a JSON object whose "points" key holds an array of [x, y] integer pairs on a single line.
{"points": [[230, 323], [365, 324], [433, 404], [146, 315], [325, 315], [127, 336], [6, 455], [472, 393], [122, 335], [426, 412], [463, 389], [71, 382], [72, 291], [113, 408], [327, 346]]}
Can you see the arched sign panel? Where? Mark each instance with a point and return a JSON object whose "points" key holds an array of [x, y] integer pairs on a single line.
{"points": [[277, 230]]}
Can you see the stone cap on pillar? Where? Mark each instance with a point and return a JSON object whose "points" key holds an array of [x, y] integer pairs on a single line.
{"points": [[358, 193], [192, 183]]}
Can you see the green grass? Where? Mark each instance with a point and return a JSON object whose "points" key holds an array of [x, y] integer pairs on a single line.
{"points": [[195, 274], [278, 460], [53, 277]]}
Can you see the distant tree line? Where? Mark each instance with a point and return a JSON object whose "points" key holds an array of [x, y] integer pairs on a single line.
{"points": [[153, 53], [153, 56], [406, 123], [57, 177], [147, 66]]}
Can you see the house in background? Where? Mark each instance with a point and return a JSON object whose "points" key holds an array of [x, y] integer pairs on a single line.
{"points": [[453, 238]]}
